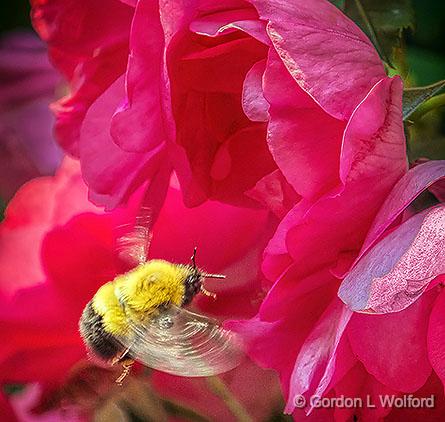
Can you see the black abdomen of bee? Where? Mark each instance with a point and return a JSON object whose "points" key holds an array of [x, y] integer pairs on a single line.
{"points": [[99, 341], [192, 286]]}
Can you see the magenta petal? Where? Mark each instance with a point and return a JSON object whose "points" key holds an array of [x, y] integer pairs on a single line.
{"points": [[222, 22], [274, 192], [88, 43], [315, 364], [304, 140], [399, 268], [310, 232], [404, 192], [436, 337], [305, 32], [277, 344], [377, 119], [254, 104], [138, 125], [111, 173], [358, 383], [393, 346]]}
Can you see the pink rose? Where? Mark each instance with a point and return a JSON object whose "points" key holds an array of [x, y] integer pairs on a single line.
{"points": [[237, 97], [398, 274]]}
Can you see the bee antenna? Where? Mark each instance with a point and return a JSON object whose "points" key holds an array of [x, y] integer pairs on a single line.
{"points": [[205, 275], [193, 257]]}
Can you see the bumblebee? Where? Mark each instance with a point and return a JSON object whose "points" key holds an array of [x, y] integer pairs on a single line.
{"points": [[140, 315]]}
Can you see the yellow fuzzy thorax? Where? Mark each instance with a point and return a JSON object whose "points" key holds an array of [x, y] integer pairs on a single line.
{"points": [[140, 292]]}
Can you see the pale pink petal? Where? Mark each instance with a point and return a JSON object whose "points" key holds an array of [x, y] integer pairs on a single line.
{"points": [[404, 192], [324, 51], [254, 104], [24, 402], [393, 347], [315, 364], [395, 273]]}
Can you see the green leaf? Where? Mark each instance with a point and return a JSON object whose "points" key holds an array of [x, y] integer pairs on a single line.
{"points": [[12, 389], [382, 20], [339, 3], [413, 98]]}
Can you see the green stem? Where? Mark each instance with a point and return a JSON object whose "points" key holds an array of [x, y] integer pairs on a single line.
{"points": [[177, 409], [372, 32], [427, 106], [219, 388]]}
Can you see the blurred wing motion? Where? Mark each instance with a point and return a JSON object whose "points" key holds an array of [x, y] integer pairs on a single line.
{"points": [[133, 241], [183, 343]]}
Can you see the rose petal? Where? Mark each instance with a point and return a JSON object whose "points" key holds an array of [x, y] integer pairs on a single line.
{"points": [[226, 21], [111, 173], [309, 32], [393, 346], [138, 126], [91, 57], [436, 336], [361, 385], [310, 232], [254, 104], [395, 273], [315, 364], [404, 192], [303, 139], [275, 193], [433, 387], [36, 208]]}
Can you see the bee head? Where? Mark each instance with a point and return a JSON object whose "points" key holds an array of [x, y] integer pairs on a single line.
{"points": [[193, 281], [192, 284]]}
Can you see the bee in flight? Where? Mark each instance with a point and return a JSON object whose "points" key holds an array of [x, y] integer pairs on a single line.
{"points": [[141, 315]]}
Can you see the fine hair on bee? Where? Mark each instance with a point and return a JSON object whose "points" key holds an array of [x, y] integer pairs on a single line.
{"points": [[112, 322]]}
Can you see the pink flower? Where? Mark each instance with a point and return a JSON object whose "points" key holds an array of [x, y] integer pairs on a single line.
{"points": [[62, 248], [300, 323], [398, 273], [27, 86], [226, 93]]}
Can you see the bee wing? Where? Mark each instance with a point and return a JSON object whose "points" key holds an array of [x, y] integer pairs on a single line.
{"points": [[133, 241], [184, 343]]}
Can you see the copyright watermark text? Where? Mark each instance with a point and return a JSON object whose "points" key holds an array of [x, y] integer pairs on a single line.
{"points": [[385, 400]]}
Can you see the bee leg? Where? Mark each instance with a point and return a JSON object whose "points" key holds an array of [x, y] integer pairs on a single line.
{"points": [[127, 364], [120, 358], [207, 293]]}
